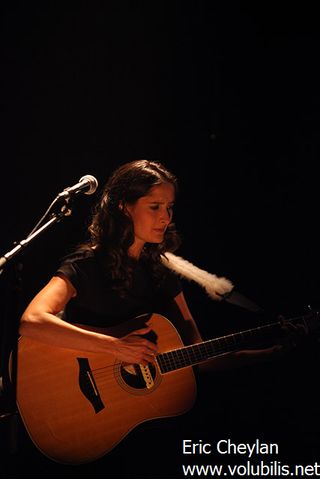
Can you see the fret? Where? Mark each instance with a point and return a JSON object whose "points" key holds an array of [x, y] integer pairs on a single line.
{"points": [[185, 356]]}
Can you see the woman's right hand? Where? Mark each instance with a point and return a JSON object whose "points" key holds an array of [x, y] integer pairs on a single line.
{"points": [[134, 348]]}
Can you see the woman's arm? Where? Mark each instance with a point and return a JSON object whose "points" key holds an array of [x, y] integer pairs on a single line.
{"points": [[229, 360], [40, 322]]}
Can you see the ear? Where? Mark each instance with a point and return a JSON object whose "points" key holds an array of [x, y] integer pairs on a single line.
{"points": [[123, 207]]}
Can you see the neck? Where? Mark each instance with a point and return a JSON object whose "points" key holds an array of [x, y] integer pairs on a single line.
{"points": [[135, 250]]}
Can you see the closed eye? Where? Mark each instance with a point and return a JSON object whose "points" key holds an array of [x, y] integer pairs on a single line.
{"points": [[156, 207]]}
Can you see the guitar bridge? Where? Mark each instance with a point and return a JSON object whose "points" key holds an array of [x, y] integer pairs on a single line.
{"points": [[88, 385]]}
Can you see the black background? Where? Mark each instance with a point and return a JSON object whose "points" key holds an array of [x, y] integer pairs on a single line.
{"points": [[226, 95]]}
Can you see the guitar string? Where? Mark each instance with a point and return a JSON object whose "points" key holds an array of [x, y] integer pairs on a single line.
{"points": [[189, 355], [168, 362], [176, 359], [167, 358]]}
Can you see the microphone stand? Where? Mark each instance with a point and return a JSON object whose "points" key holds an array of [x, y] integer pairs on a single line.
{"points": [[9, 357], [65, 211]]}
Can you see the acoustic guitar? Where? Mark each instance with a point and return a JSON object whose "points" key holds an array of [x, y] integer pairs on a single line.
{"points": [[78, 406]]}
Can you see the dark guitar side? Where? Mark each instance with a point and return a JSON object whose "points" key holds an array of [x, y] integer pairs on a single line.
{"points": [[78, 406]]}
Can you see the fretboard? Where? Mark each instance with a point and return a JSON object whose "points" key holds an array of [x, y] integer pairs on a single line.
{"points": [[197, 353]]}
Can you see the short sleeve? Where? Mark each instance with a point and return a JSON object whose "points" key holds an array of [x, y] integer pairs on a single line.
{"points": [[75, 267], [69, 270], [171, 286]]}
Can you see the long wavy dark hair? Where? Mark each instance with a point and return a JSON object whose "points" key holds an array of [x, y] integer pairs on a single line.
{"points": [[111, 231]]}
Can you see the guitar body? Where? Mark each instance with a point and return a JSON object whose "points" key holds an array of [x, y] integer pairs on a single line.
{"points": [[78, 406]]}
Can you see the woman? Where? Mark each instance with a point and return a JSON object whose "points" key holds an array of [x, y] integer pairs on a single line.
{"points": [[119, 274]]}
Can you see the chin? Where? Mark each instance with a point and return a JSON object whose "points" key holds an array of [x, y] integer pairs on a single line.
{"points": [[156, 240]]}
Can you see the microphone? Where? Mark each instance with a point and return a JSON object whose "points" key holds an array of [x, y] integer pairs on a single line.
{"points": [[87, 184]]}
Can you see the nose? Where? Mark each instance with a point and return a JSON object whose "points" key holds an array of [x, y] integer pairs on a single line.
{"points": [[165, 216]]}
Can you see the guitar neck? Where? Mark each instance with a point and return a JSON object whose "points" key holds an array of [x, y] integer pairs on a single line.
{"points": [[197, 353]]}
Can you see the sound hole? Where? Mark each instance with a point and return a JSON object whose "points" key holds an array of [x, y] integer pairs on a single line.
{"points": [[132, 376]]}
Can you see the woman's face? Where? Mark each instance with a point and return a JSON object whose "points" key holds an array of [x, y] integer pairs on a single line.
{"points": [[151, 215]]}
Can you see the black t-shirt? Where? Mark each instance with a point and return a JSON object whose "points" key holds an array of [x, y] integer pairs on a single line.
{"points": [[96, 304]]}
